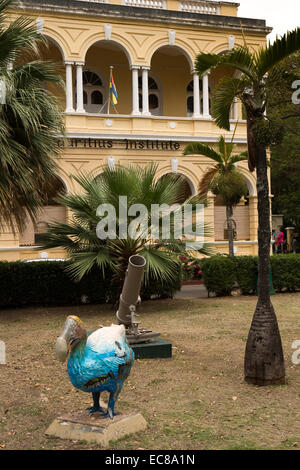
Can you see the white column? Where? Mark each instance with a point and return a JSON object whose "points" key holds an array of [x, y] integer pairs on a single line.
{"points": [[135, 90], [79, 88], [145, 91], [69, 88], [196, 96], [205, 112]]}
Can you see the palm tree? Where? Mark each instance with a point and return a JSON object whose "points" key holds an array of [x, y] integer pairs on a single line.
{"points": [[80, 237], [30, 122], [264, 361], [223, 178]]}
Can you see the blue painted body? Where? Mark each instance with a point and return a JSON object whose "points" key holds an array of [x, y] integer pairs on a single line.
{"points": [[110, 363]]}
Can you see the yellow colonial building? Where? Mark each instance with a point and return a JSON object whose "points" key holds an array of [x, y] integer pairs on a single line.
{"points": [[162, 102]]}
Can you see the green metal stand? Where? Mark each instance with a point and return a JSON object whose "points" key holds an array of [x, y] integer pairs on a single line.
{"points": [[155, 349]]}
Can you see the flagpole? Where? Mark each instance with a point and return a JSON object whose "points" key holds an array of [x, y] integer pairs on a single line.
{"points": [[110, 75], [108, 105]]}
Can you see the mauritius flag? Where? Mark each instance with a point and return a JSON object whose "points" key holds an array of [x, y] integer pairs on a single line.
{"points": [[113, 90]]}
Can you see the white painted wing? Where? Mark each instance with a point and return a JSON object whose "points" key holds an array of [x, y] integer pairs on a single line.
{"points": [[103, 341]]}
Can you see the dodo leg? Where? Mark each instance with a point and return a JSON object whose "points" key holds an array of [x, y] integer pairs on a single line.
{"points": [[96, 407], [112, 401]]}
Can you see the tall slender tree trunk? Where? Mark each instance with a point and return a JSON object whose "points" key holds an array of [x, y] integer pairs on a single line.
{"points": [[264, 361], [229, 213]]}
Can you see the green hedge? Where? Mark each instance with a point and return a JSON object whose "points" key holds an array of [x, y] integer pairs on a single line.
{"points": [[221, 273], [218, 274], [286, 272], [47, 284]]}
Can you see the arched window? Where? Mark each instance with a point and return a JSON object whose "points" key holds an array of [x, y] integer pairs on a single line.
{"points": [[190, 105], [154, 96], [96, 97], [93, 92], [190, 98], [85, 97], [91, 78]]}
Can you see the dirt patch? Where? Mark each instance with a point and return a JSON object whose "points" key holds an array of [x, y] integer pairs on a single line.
{"points": [[196, 400]]}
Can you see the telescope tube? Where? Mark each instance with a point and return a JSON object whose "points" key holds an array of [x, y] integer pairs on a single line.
{"points": [[131, 288]]}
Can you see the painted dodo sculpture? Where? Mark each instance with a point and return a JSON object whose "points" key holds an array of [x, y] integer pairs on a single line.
{"points": [[99, 361]]}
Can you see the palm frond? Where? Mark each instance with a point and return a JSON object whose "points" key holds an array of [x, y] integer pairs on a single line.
{"points": [[203, 149], [224, 94], [160, 264], [82, 263], [30, 123], [20, 37], [270, 55], [206, 180], [243, 156], [239, 58], [79, 236], [222, 148]]}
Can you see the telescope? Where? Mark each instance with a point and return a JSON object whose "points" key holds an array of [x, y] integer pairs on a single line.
{"points": [[129, 298]]}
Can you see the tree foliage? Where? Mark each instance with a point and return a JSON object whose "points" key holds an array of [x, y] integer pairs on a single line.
{"points": [[285, 156], [264, 360], [30, 122], [140, 186], [223, 178]]}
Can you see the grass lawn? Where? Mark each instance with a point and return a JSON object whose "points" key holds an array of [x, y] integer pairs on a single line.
{"points": [[196, 400]]}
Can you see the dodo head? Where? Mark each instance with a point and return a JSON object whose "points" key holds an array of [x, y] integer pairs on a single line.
{"points": [[71, 335]]}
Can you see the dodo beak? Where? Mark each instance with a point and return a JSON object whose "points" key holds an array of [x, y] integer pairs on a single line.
{"points": [[63, 343], [61, 349]]}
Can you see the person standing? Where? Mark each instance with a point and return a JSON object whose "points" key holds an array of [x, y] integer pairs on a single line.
{"points": [[279, 241]]}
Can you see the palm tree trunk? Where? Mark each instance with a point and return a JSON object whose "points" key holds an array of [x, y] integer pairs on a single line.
{"points": [[264, 361], [230, 230]]}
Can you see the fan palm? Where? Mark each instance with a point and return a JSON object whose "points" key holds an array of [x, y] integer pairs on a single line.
{"points": [[223, 178], [80, 237], [30, 122], [264, 361]]}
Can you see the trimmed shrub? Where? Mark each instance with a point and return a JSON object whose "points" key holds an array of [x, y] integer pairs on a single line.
{"points": [[46, 283], [159, 290], [221, 273], [286, 272], [246, 273]]}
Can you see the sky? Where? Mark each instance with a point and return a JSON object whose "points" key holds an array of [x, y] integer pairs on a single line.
{"points": [[282, 15]]}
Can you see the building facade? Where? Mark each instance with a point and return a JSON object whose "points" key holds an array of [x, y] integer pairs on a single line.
{"points": [[162, 103]]}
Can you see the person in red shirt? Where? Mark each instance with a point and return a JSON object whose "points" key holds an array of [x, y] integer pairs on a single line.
{"points": [[279, 241]]}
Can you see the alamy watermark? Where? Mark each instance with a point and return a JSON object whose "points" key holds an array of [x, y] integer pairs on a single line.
{"points": [[160, 222], [296, 94]]}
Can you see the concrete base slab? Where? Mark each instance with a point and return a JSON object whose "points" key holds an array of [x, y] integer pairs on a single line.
{"points": [[92, 428]]}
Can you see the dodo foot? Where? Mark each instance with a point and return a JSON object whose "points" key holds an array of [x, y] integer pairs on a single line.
{"points": [[95, 409], [109, 414]]}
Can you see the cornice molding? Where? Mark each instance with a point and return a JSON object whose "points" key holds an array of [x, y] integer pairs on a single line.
{"points": [[106, 10]]}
